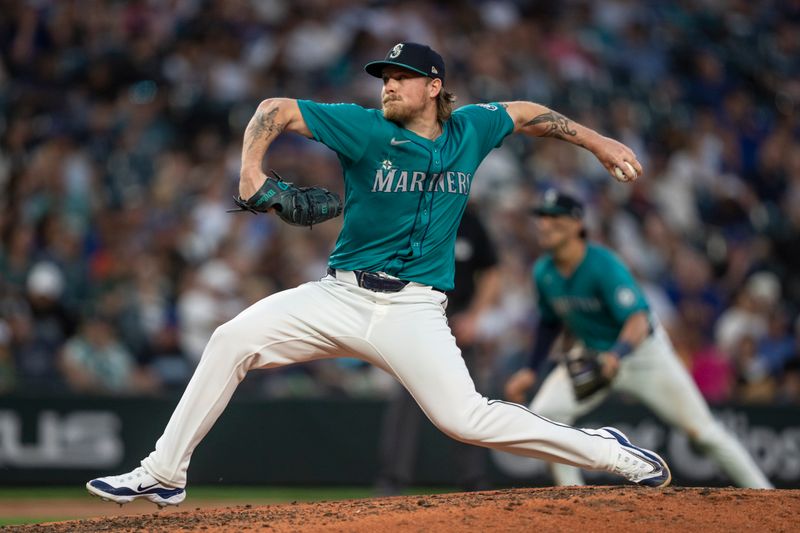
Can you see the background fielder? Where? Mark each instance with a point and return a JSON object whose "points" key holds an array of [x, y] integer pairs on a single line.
{"points": [[585, 290], [407, 173]]}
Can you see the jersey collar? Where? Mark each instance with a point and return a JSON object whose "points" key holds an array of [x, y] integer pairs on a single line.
{"points": [[418, 139]]}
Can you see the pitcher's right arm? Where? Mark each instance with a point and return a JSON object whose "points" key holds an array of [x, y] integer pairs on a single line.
{"points": [[272, 117]]}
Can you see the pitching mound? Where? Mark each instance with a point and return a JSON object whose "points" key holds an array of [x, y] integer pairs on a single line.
{"points": [[599, 508]]}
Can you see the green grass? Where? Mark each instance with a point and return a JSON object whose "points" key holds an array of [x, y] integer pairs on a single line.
{"points": [[206, 492], [199, 493], [12, 521], [212, 492]]}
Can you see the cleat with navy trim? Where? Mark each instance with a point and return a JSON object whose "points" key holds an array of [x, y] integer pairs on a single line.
{"points": [[136, 484], [639, 465]]}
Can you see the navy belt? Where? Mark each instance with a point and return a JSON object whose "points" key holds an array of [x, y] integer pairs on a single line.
{"points": [[376, 282]]}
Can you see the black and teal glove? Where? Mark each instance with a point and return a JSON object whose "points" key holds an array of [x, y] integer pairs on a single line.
{"points": [[298, 206]]}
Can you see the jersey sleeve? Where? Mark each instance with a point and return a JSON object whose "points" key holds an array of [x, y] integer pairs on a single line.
{"points": [[619, 290], [491, 122], [343, 128], [547, 314]]}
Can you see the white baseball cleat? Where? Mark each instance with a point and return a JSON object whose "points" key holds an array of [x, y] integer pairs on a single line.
{"points": [[639, 465], [136, 484]]}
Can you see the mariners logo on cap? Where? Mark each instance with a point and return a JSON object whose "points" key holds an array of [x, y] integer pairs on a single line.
{"points": [[398, 48], [550, 196]]}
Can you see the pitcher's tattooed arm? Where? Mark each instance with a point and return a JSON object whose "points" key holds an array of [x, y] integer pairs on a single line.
{"points": [[556, 125], [612, 154], [546, 123], [262, 127], [273, 117]]}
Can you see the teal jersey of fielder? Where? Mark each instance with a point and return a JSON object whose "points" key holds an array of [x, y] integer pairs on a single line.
{"points": [[404, 194], [594, 302]]}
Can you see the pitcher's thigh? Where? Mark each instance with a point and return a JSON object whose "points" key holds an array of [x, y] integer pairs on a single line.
{"points": [[418, 348], [290, 326]]}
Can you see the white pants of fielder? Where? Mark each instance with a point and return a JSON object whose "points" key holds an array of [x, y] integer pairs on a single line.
{"points": [[654, 375], [404, 333]]}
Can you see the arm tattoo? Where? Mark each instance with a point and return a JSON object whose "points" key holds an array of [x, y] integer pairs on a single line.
{"points": [[557, 125], [262, 126]]}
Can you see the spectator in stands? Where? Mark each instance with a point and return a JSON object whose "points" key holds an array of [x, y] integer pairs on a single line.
{"points": [[40, 330], [748, 316], [711, 369], [789, 389], [754, 384], [7, 371], [789, 381], [209, 300], [777, 346], [94, 361]]}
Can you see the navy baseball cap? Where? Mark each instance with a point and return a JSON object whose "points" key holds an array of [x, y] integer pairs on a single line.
{"points": [[420, 58], [556, 203]]}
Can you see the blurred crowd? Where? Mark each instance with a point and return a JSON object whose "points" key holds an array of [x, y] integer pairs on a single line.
{"points": [[120, 140]]}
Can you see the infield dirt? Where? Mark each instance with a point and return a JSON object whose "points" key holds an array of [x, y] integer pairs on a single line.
{"points": [[546, 509]]}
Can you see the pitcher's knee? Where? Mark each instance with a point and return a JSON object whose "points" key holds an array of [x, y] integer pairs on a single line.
{"points": [[461, 426], [225, 334], [227, 341], [463, 433]]}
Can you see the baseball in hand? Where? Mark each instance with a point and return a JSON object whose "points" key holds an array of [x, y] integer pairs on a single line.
{"points": [[621, 175]]}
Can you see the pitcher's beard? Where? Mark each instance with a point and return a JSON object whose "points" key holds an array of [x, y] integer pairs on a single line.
{"points": [[397, 112]]}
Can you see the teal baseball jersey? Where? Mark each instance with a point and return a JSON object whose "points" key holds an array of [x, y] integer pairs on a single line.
{"points": [[594, 302], [404, 194]]}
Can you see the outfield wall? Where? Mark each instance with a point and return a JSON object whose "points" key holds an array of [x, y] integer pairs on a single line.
{"points": [[67, 440]]}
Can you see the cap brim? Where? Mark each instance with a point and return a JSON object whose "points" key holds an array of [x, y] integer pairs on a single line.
{"points": [[375, 68], [554, 211], [541, 210]]}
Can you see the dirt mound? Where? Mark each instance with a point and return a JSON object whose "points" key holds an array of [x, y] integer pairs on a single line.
{"points": [[566, 509]]}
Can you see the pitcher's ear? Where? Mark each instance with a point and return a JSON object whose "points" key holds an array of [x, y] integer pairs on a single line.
{"points": [[435, 85]]}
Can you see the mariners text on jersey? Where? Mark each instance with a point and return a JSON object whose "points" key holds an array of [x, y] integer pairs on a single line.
{"points": [[414, 181], [563, 305]]}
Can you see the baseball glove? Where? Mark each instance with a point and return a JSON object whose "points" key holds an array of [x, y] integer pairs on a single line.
{"points": [[298, 206], [586, 371]]}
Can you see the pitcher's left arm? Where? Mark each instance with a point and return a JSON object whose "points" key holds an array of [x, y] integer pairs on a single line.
{"points": [[539, 121]]}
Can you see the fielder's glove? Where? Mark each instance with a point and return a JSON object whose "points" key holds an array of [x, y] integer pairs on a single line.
{"points": [[586, 371], [298, 206]]}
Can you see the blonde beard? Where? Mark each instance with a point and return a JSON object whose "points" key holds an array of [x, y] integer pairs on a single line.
{"points": [[400, 113]]}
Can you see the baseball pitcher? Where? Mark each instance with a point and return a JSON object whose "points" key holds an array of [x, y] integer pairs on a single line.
{"points": [[407, 168], [586, 290]]}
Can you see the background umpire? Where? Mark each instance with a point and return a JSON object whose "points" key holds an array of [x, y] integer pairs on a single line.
{"points": [[477, 287]]}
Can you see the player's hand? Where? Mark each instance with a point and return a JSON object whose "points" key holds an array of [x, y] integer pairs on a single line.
{"points": [[619, 160], [519, 384], [610, 364]]}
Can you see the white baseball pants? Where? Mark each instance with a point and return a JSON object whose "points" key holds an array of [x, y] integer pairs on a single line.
{"points": [[654, 375], [404, 333]]}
